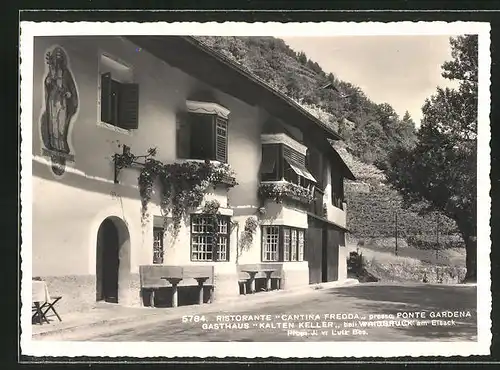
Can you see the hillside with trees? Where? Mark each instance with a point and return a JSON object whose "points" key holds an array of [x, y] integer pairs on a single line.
{"points": [[374, 207], [370, 130], [372, 134]]}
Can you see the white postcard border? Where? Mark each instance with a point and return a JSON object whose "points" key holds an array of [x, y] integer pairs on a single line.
{"points": [[268, 349]]}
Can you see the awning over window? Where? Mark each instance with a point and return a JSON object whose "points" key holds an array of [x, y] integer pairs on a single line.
{"points": [[300, 170]]}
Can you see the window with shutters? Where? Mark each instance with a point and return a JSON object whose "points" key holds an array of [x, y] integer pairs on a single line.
{"points": [[282, 244], [118, 95], [202, 136], [280, 162], [270, 167], [158, 235], [221, 139]]}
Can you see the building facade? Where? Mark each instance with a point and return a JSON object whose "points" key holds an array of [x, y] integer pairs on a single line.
{"points": [[96, 98]]}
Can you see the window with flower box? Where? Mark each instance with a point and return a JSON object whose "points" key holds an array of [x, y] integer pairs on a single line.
{"points": [[280, 162], [282, 244], [207, 244]]}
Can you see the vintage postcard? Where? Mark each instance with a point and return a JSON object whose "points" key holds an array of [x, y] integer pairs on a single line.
{"points": [[279, 190]]}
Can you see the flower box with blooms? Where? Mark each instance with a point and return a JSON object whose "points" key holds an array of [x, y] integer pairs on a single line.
{"points": [[182, 185], [281, 190], [222, 173]]}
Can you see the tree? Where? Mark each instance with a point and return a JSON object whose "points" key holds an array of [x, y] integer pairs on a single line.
{"points": [[282, 68], [292, 85], [440, 169], [406, 131], [302, 58]]}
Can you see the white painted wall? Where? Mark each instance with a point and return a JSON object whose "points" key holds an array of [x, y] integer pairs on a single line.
{"points": [[276, 214], [284, 214], [333, 214], [342, 262], [67, 211]]}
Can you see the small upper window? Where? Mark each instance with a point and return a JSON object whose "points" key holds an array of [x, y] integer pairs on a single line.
{"points": [[337, 184], [158, 235], [119, 96], [203, 135], [280, 162]]}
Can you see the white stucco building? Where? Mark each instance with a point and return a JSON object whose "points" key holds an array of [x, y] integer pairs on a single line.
{"points": [[93, 96]]}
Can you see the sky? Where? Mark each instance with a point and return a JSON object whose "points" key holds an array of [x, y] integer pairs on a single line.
{"points": [[400, 70]]}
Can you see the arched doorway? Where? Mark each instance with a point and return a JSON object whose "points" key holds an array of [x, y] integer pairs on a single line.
{"points": [[112, 259]]}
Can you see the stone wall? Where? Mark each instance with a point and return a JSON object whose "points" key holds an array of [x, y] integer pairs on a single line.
{"points": [[225, 286], [78, 292], [420, 273], [294, 279], [343, 255]]}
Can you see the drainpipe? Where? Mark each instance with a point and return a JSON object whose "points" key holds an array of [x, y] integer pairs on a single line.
{"points": [[237, 241]]}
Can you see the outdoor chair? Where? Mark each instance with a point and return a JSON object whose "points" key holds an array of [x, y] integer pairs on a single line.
{"points": [[43, 305]]}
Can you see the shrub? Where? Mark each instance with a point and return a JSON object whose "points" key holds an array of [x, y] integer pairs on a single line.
{"points": [[427, 242], [355, 262]]}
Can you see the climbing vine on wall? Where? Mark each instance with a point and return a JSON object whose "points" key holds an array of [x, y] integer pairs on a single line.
{"points": [[182, 186], [211, 211], [246, 239]]}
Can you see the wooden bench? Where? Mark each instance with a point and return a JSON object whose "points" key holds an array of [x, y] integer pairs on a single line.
{"points": [[154, 277], [204, 276], [247, 273], [243, 278], [151, 278]]}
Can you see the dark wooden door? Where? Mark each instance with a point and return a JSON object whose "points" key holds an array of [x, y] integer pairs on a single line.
{"points": [[332, 254], [324, 256], [314, 250], [107, 262]]}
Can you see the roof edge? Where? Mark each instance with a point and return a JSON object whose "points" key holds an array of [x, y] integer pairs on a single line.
{"points": [[319, 218], [205, 48]]}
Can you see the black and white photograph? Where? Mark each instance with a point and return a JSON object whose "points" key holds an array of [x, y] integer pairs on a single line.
{"points": [[263, 189]]}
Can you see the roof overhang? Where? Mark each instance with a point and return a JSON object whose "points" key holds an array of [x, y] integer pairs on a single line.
{"points": [[327, 222], [346, 171], [205, 64]]}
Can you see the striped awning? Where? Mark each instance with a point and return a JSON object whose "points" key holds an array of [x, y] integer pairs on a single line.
{"points": [[300, 170]]}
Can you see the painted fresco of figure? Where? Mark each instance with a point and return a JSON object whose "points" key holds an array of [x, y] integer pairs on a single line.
{"points": [[61, 104]]}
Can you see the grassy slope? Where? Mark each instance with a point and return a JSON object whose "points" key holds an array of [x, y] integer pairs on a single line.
{"points": [[371, 204], [370, 207]]}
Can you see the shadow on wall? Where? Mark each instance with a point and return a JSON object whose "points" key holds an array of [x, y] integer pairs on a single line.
{"points": [[80, 181], [186, 295]]}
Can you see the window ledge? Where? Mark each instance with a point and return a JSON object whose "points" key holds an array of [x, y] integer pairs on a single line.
{"points": [[223, 211], [319, 218], [283, 262], [304, 195], [114, 128], [188, 160], [209, 263]]}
